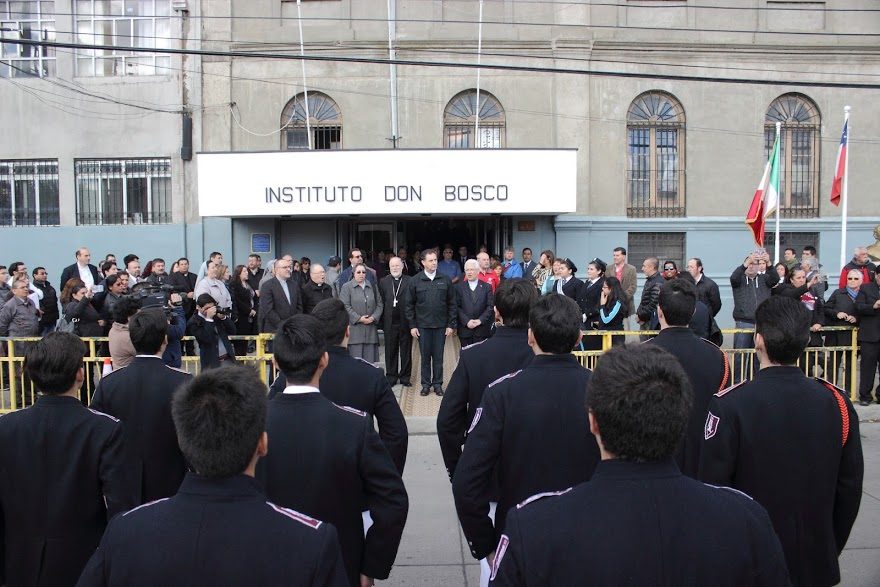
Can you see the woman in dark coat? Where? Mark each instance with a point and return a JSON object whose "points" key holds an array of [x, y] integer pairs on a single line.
{"points": [[840, 311], [243, 305], [808, 290], [612, 309], [588, 301], [80, 308]]}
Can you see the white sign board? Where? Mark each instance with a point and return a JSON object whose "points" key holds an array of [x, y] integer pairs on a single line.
{"points": [[388, 183]]}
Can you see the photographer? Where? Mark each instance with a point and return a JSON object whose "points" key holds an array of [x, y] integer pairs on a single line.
{"points": [[212, 326]]}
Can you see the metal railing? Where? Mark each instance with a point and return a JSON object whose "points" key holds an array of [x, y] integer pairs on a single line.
{"points": [[17, 391]]}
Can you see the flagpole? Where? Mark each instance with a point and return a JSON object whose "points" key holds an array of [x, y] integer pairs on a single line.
{"points": [[778, 205], [479, 60], [844, 188], [299, 17]]}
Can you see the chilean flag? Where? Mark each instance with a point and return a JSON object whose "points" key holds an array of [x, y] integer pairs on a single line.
{"points": [[837, 184], [766, 197]]}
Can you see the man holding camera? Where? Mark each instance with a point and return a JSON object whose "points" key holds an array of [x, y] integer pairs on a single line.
{"points": [[212, 326]]}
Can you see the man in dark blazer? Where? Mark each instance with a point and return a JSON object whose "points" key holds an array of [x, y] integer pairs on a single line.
{"points": [[475, 304], [327, 461], [528, 264], [140, 396], [185, 281], [705, 364], [696, 534], [280, 298], [356, 383], [62, 469], [82, 268], [212, 329], [867, 305], [218, 529], [398, 340], [315, 290]]}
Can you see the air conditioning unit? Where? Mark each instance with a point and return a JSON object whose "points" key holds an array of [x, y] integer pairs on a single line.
{"points": [[180, 5]]}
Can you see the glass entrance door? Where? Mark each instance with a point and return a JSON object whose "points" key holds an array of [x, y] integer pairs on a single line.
{"points": [[372, 237]]}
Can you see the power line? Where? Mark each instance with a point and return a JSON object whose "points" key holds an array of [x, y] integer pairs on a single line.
{"points": [[447, 65]]}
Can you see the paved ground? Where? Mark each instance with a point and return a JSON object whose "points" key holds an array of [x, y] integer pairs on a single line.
{"points": [[433, 550]]}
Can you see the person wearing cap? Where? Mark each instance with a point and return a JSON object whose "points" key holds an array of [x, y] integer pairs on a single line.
{"points": [[588, 301], [566, 283]]}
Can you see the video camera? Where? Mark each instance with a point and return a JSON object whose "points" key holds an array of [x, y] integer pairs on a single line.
{"points": [[155, 295]]}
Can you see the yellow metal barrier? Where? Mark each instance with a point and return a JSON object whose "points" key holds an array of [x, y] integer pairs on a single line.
{"points": [[837, 364]]}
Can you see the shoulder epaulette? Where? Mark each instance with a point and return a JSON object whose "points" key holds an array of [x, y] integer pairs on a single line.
{"points": [[351, 409], [295, 515], [538, 496], [840, 397], [103, 414], [727, 390], [277, 377], [473, 344], [178, 370], [503, 377], [362, 360], [731, 489], [143, 505], [113, 372], [726, 375]]}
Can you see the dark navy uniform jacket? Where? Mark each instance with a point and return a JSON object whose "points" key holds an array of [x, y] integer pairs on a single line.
{"points": [[707, 369], [640, 524], [59, 462], [533, 426], [327, 461], [480, 364], [140, 396], [216, 532], [355, 383], [793, 444]]}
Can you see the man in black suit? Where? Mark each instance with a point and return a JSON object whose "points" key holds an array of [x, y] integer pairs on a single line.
{"points": [[185, 281], [218, 529], [476, 306], [140, 396], [528, 264], [82, 269], [463, 256], [696, 534], [480, 364], [867, 306], [62, 469], [255, 271], [398, 340], [705, 364], [280, 297], [356, 383], [327, 461]]}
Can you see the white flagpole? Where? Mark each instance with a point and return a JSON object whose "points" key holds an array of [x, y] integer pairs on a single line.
{"points": [[392, 55], [479, 60], [303, 63], [778, 204], [844, 188]]}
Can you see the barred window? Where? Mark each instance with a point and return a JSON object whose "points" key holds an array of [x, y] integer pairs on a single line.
{"points": [[798, 153], [33, 20], [127, 23], [666, 246], [325, 122], [29, 193], [460, 116], [655, 126], [123, 191]]}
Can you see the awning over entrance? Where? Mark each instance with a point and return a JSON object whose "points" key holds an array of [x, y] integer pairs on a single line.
{"points": [[388, 183]]}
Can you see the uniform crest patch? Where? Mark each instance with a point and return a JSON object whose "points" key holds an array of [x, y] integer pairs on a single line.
{"points": [[477, 415], [711, 426], [499, 554]]}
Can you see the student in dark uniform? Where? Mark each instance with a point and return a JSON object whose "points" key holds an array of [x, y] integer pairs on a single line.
{"points": [[792, 443], [327, 461], [62, 472], [531, 425], [356, 383], [705, 364], [480, 364], [140, 396], [639, 521], [218, 529]]}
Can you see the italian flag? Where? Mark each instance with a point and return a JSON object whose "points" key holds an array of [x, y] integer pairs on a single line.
{"points": [[766, 196]]}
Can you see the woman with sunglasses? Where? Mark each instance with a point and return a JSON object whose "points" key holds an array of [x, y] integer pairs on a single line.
{"points": [[670, 270]]}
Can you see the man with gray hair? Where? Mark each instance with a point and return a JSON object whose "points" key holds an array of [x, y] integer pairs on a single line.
{"points": [[512, 269], [398, 340], [476, 306], [315, 290], [861, 263]]}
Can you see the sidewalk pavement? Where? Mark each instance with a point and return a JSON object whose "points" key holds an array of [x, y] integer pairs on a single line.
{"points": [[433, 550]]}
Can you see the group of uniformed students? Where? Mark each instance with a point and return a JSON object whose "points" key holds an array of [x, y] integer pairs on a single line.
{"points": [[560, 475]]}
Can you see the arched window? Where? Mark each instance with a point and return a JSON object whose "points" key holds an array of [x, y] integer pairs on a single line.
{"points": [[799, 152], [459, 118], [325, 120], [655, 129]]}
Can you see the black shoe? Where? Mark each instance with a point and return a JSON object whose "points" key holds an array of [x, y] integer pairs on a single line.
{"points": [[438, 390], [405, 383], [425, 391], [865, 402]]}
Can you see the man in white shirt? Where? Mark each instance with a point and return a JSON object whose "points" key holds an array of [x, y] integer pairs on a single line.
{"points": [[82, 269]]}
